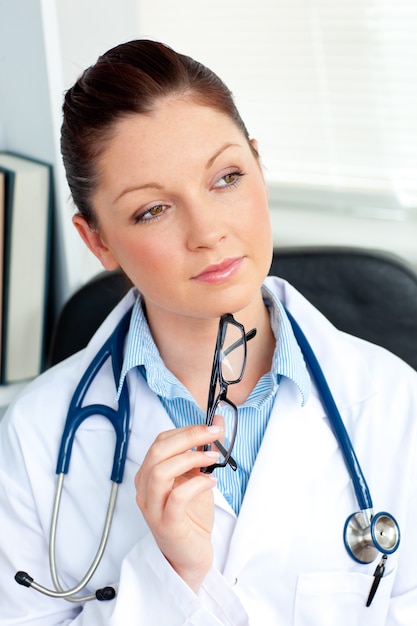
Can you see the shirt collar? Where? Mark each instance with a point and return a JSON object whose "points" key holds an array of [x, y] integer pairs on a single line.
{"points": [[141, 351], [288, 359]]}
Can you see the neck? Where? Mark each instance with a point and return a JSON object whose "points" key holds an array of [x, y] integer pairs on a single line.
{"points": [[187, 344]]}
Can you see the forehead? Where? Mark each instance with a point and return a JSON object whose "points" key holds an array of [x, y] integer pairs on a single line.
{"points": [[172, 120], [174, 132]]}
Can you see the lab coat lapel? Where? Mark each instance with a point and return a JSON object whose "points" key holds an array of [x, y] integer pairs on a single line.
{"points": [[297, 444], [149, 417]]}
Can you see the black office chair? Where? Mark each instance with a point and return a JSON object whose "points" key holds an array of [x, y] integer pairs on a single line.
{"points": [[369, 294]]}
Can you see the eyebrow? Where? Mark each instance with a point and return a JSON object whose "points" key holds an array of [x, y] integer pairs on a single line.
{"points": [[219, 152], [138, 188], [159, 187]]}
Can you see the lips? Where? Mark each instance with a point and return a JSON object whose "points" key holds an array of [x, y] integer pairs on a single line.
{"points": [[220, 272]]}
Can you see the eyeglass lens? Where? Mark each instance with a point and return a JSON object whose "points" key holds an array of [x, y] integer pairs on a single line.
{"points": [[225, 416], [232, 353]]}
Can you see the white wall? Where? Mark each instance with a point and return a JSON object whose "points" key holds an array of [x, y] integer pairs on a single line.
{"points": [[86, 29], [44, 45]]}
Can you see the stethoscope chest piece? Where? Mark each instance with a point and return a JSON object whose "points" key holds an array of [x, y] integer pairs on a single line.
{"points": [[367, 535]]}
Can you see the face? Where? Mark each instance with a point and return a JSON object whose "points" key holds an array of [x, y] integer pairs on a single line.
{"points": [[182, 208]]}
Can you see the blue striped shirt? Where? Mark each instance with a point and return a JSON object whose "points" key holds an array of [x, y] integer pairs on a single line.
{"points": [[142, 353]]}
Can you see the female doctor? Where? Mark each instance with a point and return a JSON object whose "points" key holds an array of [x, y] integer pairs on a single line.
{"points": [[168, 186]]}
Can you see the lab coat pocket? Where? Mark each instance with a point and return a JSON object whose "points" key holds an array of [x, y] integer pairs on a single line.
{"points": [[326, 599]]}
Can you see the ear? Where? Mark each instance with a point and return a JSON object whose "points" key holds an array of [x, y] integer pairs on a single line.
{"points": [[255, 150], [95, 242], [255, 146]]}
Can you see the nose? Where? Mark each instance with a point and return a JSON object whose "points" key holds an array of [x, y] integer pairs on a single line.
{"points": [[206, 227]]}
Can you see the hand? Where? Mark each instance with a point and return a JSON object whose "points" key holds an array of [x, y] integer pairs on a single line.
{"points": [[176, 499]]}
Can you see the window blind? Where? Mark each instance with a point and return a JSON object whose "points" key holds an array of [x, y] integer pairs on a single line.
{"points": [[329, 87]]}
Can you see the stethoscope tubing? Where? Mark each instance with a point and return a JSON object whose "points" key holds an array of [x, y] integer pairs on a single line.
{"points": [[360, 486], [70, 594], [119, 418]]}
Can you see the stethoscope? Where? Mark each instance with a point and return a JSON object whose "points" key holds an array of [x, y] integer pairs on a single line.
{"points": [[77, 413], [365, 534]]}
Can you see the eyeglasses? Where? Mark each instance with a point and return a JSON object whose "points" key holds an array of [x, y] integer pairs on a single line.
{"points": [[228, 368]]}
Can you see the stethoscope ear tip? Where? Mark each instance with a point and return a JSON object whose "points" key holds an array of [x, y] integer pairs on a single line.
{"points": [[106, 593], [23, 578]]}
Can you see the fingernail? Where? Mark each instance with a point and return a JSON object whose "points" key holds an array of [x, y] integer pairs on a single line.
{"points": [[212, 454], [215, 429]]}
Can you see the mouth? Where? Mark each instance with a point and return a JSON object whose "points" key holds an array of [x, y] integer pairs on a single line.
{"points": [[220, 272]]}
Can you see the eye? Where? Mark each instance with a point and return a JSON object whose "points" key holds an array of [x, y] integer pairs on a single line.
{"points": [[230, 179], [152, 213]]}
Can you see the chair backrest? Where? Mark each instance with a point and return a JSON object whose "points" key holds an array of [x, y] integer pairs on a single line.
{"points": [[83, 313], [369, 294]]}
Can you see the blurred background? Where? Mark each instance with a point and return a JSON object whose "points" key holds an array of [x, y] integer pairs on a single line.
{"points": [[328, 87]]}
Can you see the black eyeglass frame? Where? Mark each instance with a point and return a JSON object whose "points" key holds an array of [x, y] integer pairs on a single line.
{"points": [[218, 379]]}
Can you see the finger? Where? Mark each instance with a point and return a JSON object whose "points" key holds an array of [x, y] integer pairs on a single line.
{"points": [[196, 430], [166, 472], [219, 421], [154, 484], [164, 463], [177, 441], [157, 483]]}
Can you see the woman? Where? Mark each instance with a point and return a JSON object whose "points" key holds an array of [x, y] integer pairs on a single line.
{"points": [[169, 187]]}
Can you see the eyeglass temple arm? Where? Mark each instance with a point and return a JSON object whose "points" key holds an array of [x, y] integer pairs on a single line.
{"points": [[230, 460], [248, 336]]}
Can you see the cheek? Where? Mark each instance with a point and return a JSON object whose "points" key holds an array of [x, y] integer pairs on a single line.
{"points": [[261, 231], [146, 262], [260, 216]]}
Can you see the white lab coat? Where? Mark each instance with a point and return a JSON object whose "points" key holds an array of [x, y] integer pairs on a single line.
{"points": [[281, 562]]}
